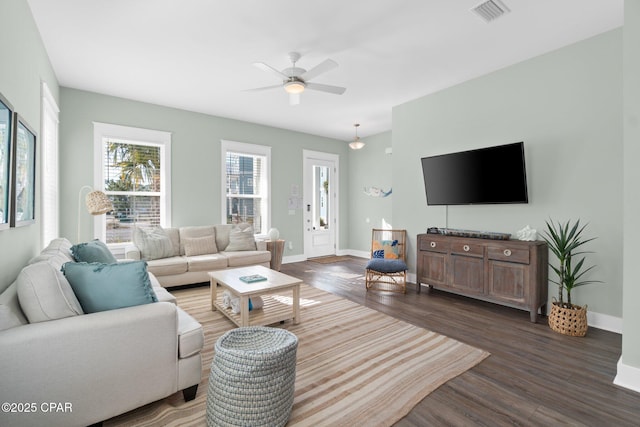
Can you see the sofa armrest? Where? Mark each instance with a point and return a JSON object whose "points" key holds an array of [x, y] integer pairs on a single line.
{"points": [[131, 251], [261, 245], [102, 364]]}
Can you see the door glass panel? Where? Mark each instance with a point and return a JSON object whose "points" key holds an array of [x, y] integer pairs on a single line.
{"points": [[321, 198]]}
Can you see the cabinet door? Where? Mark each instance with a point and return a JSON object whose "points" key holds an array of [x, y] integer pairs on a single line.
{"points": [[433, 268], [509, 282], [467, 274]]}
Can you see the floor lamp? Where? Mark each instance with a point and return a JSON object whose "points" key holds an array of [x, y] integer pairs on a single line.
{"points": [[97, 204]]}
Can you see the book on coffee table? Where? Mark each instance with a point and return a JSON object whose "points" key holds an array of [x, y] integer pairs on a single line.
{"points": [[252, 278]]}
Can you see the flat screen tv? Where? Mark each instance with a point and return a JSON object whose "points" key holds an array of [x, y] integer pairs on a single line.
{"points": [[483, 176]]}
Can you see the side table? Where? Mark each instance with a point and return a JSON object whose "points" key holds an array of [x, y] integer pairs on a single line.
{"points": [[276, 247]]}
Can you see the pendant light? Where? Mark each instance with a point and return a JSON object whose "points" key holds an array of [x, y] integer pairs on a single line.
{"points": [[356, 144]]}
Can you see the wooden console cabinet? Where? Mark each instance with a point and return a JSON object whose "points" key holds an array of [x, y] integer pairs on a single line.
{"points": [[507, 272]]}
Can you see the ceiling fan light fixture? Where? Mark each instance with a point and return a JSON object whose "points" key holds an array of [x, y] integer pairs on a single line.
{"points": [[356, 144], [294, 87]]}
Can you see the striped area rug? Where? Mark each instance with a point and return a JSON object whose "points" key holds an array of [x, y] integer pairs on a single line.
{"points": [[356, 366]]}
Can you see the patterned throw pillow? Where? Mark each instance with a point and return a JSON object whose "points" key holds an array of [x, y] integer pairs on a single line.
{"points": [[153, 244], [200, 245], [241, 239], [386, 249]]}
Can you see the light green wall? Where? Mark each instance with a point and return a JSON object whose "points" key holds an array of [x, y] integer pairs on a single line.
{"points": [[631, 305], [369, 167], [567, 108], [195, 162], [25, 65]]}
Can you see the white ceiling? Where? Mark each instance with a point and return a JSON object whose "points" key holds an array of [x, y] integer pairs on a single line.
{"points": [[197, 55]]}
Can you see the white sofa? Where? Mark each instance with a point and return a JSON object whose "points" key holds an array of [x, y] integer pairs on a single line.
{"points": [[85, 368], [183, 266]]}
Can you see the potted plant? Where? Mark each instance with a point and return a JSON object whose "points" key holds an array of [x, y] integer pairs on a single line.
{"points": [[566, 241]]}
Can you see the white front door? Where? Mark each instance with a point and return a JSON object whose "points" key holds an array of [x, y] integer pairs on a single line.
{"points": [[320, 203]]}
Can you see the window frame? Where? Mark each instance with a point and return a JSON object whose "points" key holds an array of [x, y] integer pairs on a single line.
{"points": [[250, 150], [133, 135], [50, 167]]}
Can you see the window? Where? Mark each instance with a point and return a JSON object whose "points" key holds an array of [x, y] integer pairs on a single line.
{"points": [[50, 200], [133, 170], [246, 181]]}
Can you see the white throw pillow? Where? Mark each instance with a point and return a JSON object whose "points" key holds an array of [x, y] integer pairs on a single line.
{"points": [[153, 243], [241, 239], [45, 294], [200, 245]]}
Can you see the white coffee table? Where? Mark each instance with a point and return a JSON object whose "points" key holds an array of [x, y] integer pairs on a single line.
{"points": [[274, 310]]}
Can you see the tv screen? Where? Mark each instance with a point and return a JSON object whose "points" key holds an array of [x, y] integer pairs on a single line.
{"points": [[483, 176]]}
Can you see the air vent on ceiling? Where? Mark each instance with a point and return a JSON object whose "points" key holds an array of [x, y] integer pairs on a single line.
{"points": [[490, 10]]}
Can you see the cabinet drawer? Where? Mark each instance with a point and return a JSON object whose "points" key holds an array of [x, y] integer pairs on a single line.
{"points": [[509, 254], [467, 248], [434, 245]]}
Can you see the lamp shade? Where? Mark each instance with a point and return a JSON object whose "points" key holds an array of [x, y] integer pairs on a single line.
{"points": [[98, 203]]}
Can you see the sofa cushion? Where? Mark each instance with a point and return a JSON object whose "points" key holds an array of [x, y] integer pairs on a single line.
{"points": [[242, 258], [195, 231], [8, 319], [200, 245], [207, 262], [56, 259], [59, 246], [153, 243], [241, 239], [222, 235], [93, 251], [190, 335], [168, 266], [174, 236], [45, 294], [101, 287], [386, 265]]}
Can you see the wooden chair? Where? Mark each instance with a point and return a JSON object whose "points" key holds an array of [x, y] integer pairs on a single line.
{"points": [[387, 268]]}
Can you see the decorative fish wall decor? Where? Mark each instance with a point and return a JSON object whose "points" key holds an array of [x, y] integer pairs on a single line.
{"points": [[376, 192]]}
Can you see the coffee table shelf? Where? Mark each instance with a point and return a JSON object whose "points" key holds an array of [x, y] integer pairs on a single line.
{"points": [[273, 310]]}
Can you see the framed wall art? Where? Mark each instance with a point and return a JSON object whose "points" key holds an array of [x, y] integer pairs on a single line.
{"points": [[23, 173], [6, 128]]}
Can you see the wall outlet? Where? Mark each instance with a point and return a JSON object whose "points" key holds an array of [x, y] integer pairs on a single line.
{"points": [[290, 245]]}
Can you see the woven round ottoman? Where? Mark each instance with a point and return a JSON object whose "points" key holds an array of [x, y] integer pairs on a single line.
{"points": [[252, 378]]}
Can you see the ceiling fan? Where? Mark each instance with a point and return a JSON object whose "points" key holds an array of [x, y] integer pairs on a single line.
{"points": [[295, 79]]}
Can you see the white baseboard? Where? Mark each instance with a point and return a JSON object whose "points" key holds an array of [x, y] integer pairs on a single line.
{"points": [[293, 258], [604, 321], [627, 376]]}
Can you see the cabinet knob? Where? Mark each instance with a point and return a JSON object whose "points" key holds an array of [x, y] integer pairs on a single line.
{"points": [[466, 248], [507, 252], [432, 244]]}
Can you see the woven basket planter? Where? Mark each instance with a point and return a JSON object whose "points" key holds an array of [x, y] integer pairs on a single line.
{"points": [[252, 378], [568, 321]]}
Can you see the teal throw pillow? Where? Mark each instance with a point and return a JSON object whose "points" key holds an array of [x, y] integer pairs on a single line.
{"points": [[93, 251], [101, 287]]}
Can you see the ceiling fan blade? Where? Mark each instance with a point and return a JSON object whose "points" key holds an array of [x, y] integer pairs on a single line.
{"points": [[270, 69], [294, 98], [326, 88], [258, 89], [323, 67]]}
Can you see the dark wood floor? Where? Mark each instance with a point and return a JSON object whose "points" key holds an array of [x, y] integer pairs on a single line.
{"points": [[534, 376]]}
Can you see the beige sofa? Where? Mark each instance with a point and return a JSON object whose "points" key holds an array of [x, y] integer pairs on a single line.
{"points": [[81, 369], [196, 250]]}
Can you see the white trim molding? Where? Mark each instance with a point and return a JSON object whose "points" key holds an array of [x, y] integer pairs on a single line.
{"points": [[604, 321], [627, 376]]}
